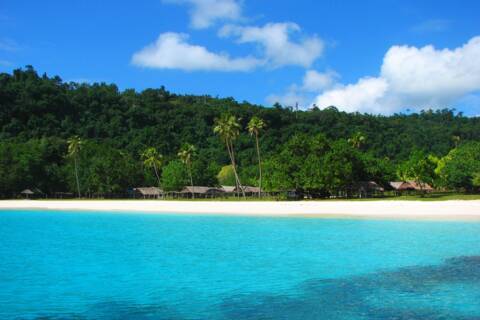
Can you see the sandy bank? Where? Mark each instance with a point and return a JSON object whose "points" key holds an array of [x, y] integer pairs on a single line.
{"points": [[395, 209]]}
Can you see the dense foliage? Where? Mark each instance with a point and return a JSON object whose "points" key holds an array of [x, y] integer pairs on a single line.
{"points": [[321, 151]]}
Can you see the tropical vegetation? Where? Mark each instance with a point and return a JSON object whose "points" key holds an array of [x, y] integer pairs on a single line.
{"points": [[94, 138]]}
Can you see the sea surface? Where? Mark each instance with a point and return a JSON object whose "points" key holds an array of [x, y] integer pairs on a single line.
{"points": [[78, 265]]}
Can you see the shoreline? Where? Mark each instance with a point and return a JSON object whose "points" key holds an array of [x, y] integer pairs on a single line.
{"points": [[438, 210]]}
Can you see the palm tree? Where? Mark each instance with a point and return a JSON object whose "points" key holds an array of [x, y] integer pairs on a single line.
{"points": [[186, 154], [255, 126], [357, 140], [74, 147], [153, 159], [228, 128]]}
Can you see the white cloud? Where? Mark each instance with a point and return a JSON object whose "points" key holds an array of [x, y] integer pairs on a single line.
{"points": [[313, 82], [204, 13], [412, 77], [274, 40], [172, 51], [363, 95]]}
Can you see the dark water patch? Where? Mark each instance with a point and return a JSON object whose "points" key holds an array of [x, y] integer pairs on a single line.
{"points": [[406, 293]]}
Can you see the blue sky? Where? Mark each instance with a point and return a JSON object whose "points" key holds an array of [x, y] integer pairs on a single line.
{"points": [[368, 56]]}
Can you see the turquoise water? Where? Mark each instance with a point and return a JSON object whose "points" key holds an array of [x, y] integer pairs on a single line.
{"points": [[59, 265]]}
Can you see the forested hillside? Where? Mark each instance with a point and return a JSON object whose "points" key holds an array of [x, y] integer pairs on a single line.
{"points": [[38, 114]]}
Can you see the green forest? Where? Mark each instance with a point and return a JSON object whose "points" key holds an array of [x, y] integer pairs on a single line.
{"points": [[94, 138]]}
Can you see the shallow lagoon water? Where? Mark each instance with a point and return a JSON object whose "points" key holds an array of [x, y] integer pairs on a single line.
{"points": [[64, 265]]}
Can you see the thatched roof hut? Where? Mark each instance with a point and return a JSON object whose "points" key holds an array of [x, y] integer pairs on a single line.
{"points": [[149, 192], [401, 186], [250, 189], [421, 186], [229, 189], [30, 193], [201, 190], [411, 186], [368, 186]]}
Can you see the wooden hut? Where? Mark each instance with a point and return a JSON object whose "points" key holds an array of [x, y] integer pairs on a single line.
{"points": [[401, 186], [201, 191], [249, 190], [423, 187], [148, 192], [32, 193], [367, 189], [229, 189]]}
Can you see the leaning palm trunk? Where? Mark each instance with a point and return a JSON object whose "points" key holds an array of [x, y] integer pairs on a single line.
{"points": [[191, 180], [259, 167], [76, 176], [156, 174], [234, 165]]}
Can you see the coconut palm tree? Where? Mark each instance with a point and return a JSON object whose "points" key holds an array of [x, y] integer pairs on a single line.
{"points": [[255, 126], [186, 154], [153, 159], [228, 128], [357, 140], [74, 147]]}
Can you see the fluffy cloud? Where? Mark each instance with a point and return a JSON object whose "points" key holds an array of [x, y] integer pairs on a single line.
{"points": [[412, 77], [204, 13], [363, 95], [172, 51], [277, 47], [313, 82]]}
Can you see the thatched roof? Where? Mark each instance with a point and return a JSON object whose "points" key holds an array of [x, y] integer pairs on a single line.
{"points": [[368, 186], [423, 186], [228, 188], [201, 190], [410, 185], [30, 192], [149, 191], [401, 185], [250, 189]]}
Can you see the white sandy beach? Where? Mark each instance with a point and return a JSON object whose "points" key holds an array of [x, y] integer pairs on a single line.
{"points": [[455, 209]]}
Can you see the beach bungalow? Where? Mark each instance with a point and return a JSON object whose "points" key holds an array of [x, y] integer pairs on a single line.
{"points": [[32, 193], [229, 189], [201, 191], [401, 186], [249, 190], [424, 187], [148, 192], [408, 186], [367, 189]]}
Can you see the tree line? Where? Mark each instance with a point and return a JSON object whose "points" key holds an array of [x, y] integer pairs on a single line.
{"points": [[94, 138]]}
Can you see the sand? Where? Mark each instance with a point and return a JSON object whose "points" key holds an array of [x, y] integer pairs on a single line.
{"points": [[455, 209]]}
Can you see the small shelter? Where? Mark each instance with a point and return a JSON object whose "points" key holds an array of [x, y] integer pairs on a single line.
{"points": [[202, 191], [424, 187], [32, 193], [410, 185], [367, 188], [401, 186], [148, 192], [249, 190], [229, 189]]}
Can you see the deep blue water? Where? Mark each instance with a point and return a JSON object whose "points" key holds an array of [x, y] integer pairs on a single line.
{"points": [[59, 265]]}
